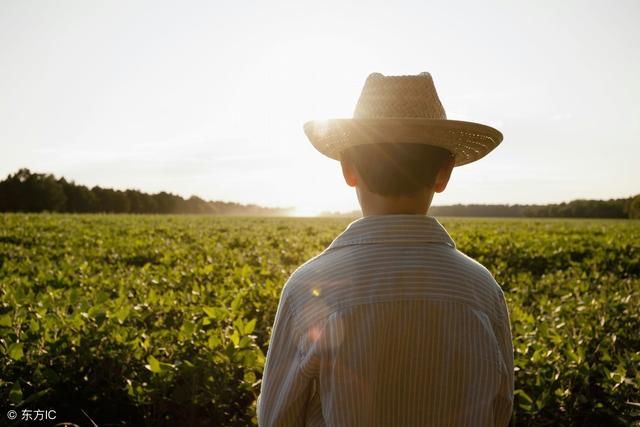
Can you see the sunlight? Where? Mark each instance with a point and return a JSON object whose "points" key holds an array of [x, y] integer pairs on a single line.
{"points": [[305, 212]]}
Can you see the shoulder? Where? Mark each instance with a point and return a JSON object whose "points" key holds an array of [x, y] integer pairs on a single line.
{"points": [[486, 284], [483, 282], [472, 266], [310, 270], [309, 288]]}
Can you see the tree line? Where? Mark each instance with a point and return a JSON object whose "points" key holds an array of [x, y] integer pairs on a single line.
{"points": [[25, 191], [614, 208]]}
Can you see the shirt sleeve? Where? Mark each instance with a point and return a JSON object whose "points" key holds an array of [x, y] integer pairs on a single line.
{"points": [[503, 404], [285, 389]]}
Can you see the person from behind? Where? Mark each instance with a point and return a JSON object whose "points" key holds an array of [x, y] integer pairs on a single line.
{"points": [[392, 325]]}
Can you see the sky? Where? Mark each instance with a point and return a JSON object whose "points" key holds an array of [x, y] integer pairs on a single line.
{"points": [[209, 98]]}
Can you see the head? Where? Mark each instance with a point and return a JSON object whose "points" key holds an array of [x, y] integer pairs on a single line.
{"points": [[396, 178]]}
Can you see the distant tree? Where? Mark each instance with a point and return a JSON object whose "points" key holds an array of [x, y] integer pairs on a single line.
{"points": [[193, 205], [634, 207], [10, 192], [120, 201], [79, 198], [28, 192], [111, 201], [149, 204], [165, 202], [135, 201]]}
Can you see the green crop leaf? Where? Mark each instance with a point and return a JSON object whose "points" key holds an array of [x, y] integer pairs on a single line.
{"points": [[210, 311], [15, 394], [154, 365], [96, 312], [213, 342], [122, 314], [524, 396], [5, 320], [250, 326], [215, 312], [36, 396], [16, 351], [249, 377], [235, 338], [187, 330], [235, 304]]}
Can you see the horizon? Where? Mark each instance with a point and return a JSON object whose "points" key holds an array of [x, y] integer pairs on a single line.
{"points": [[203, 99], [293, 212]]}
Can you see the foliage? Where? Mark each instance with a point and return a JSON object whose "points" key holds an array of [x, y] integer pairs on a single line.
{"points": [[165, 320], [613, 208], [37, 192], [25, 191], [573, 289], [634, 207]]}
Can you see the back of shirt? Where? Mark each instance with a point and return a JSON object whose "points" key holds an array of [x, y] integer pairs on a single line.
{"points": [[391, 325]]}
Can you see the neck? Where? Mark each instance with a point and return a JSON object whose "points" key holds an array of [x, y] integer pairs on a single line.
{"points": [[375, 204]]}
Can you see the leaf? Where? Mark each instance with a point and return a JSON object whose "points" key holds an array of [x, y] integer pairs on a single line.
{"points": [[15, 394], [235, 304], [101, 297], [37, 395], [166, 366], [210, 311], [50, 375], [250, 326], [5, 320], [215, 312], [187, 330], [96, 312], [572, 355], [15, 351], [244, 342], [122, 314], [235, 338], [154, 365], [249, 377], [260, 358], [524, 395], [213, 342]]}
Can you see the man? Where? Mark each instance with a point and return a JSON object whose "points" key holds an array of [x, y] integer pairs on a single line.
{"points": [[391, 325]]}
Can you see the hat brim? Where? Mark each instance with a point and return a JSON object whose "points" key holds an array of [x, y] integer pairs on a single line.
{"points": [[467, 141]]}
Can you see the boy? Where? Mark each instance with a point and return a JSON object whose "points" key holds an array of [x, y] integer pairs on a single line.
{"points": [[391, 325]]}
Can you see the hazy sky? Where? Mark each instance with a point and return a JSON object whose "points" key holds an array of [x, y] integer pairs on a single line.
{"points": [[209, 97]]}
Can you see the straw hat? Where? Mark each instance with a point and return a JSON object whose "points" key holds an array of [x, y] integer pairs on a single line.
{"points": [[402, 109]]}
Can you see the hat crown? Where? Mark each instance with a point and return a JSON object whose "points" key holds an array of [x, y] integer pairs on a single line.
{"points": [[399, 97]]}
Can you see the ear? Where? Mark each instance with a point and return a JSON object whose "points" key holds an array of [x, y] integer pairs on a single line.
{"points": [[442, 178], [349, 172]]}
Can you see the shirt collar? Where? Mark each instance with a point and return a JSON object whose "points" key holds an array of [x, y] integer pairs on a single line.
{"points": [[403, 228]]}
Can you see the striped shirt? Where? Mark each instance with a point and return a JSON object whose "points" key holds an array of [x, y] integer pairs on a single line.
{"points": [[391, 325]]}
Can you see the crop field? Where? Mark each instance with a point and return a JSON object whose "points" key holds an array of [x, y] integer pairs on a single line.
{"points": [[165, 320]]}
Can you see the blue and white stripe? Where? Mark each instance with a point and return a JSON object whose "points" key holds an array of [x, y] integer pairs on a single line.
{"points": [[390, 326]]}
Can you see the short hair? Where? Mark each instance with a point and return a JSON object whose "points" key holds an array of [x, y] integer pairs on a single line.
{"points": [[397, 169]]}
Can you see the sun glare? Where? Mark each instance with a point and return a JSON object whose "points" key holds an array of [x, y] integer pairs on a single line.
{"points": [[305, 212]]}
